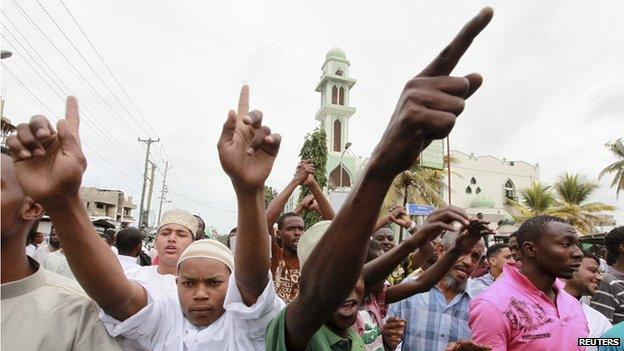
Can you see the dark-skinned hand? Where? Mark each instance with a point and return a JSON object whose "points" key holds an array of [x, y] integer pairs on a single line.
{"points": [[430, 103], [466, 345], [392, 332], [247, 149], [304, 169], [49, 164], [438, 222]]}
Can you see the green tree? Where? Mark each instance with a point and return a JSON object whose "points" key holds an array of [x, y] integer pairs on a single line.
{"points": [[617, 167], [573, 191], [269, 195], [567, 199], [314, 148]]}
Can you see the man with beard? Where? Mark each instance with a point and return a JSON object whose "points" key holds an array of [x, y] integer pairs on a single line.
{"points": [[331, 276], [44, 250], [440, 316], [527, 308], [584, 282]]}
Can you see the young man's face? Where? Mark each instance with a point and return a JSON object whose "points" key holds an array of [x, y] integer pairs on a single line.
{"points": [[385, 238], [499, 260], [291, 231], [12, 197], [557, 251], [54, 240], [587, 278], [171, 241], [202, 285], [346, 315], [514, 248]]}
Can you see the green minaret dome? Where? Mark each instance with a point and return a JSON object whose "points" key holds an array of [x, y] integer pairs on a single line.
{"points": [[336, 53]]}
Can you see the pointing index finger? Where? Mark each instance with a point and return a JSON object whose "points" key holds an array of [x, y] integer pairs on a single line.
{"points": [[444, 63], [72, 116], [243, 102]]}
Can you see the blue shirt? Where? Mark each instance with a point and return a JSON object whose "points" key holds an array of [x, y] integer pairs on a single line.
{"points": [[431, 322], [616, 332], [478, 285]]}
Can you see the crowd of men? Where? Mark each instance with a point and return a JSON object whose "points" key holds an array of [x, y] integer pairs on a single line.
{"points": [[341, 284]]}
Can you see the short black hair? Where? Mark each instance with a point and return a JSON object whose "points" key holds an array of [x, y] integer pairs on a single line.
{"points": [[495, 250], [589, 254], [614, 239], [373, 247], [532, 228], [229, 237], [6, 151], [282, 218], [128, 239]]}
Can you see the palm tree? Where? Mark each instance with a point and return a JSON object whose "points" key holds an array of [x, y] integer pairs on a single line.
{"points": [[573, 190], [419, 185], [535, 200], [617, 167]]}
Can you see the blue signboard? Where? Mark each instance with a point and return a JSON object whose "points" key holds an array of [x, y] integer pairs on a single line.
{"points": [[418, 210]]}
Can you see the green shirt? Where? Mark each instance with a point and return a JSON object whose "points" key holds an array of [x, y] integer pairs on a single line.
{"points": [[323, 339]]}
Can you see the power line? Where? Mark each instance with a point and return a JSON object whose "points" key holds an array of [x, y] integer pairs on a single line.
{"points": [[52, 114], [94, 125], [74, 67], [88, 64], [203, 204], [108, 68]]}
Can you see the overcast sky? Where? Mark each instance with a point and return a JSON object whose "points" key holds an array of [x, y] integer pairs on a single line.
{"points": [[553, 89]]}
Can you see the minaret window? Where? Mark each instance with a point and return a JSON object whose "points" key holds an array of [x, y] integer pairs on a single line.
{"points": [[341, 97], [334, 95], [337, 136], [339, 73]]}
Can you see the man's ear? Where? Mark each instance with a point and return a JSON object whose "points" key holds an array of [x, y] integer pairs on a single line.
{"points": [[528, 249], [278, 234], [31, 211]]}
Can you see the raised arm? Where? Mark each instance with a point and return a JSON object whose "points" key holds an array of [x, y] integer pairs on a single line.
{"points": [[324, 207], [377, 270], [469, 236], [397, 214], [247, 150], [49, 166], [277, 204], [427, 109]]}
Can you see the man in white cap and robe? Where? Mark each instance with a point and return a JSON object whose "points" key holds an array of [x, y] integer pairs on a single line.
{"points": [[224, 303]]}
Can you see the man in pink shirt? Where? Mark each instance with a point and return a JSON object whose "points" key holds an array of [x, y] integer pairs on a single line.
{"points": [[527, 308]]}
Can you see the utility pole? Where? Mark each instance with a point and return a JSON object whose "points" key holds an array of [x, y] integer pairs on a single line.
{"points": [[163, 190], [148, 206], [147, 154]]}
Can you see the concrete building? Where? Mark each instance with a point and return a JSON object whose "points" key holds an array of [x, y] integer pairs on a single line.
{"points": [[485, 184], [108, 204]]}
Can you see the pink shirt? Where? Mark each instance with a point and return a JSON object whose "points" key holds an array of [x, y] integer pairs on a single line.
{"points": [[513, 315]]}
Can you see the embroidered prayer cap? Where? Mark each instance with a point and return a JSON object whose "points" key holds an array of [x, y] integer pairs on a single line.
{"points": [[181, 217], [208, 248], [310, 239]]}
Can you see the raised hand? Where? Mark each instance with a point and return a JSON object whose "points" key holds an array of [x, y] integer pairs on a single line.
{"points": [[439, 221], [49, 164], [247, 149], [306, 202], [429, 103], [399, 216], [304, 169], [470, 234], [392, 332]]}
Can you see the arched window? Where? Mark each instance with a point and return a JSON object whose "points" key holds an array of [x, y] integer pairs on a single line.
{"points": [[478, 191], [473, 180], [510, 190], [341, 101], [334, 95], [468, 190], [337, 135], [335, 178], [339, 72]]}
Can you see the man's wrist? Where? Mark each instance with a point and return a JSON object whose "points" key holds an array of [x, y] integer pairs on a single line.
{"points": [[61, 204]]}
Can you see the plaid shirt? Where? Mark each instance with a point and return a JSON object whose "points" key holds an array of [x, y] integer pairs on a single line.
{"points": [[431, 323]]}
